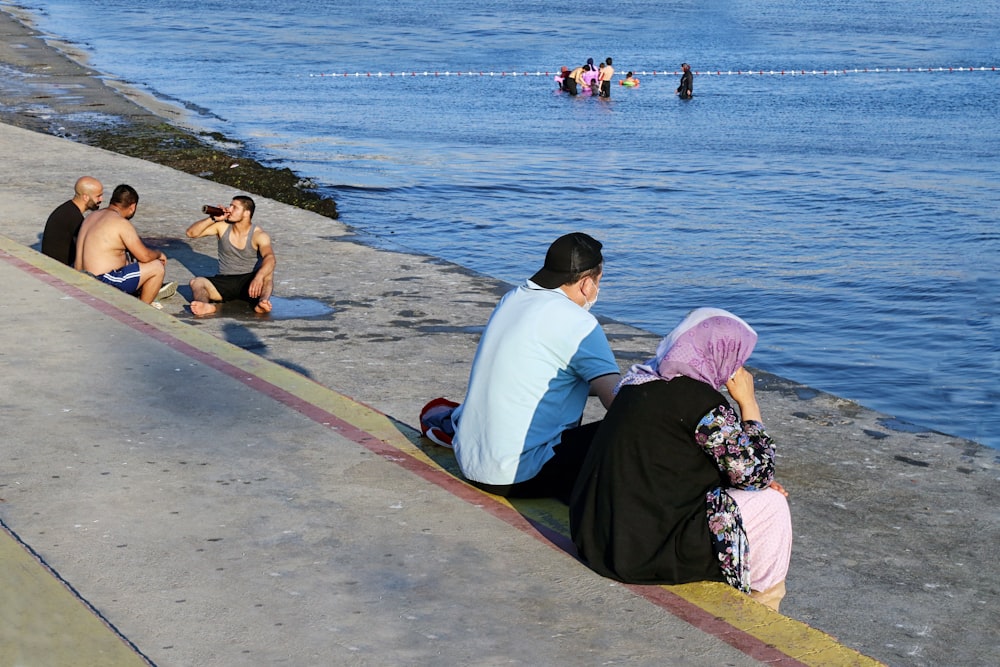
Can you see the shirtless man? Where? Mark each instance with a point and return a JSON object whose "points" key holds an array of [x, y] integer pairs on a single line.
{"points": [[246, 260], [606, 74], [104, 239]]}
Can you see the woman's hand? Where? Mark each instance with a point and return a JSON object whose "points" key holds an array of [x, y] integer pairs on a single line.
{"points": [[779, 488], [740, 387]]}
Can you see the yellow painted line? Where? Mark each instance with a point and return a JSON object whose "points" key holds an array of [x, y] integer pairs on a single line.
{"points": [[43, 623], [792, 638]]}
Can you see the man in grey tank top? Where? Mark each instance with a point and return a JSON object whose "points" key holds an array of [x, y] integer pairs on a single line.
{"points": [[246, 260]]}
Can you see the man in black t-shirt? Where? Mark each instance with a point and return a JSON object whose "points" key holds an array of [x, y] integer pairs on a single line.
{"points": [[63, 224]]}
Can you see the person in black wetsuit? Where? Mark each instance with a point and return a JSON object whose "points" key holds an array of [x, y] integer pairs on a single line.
{"points": [[686, 89]]}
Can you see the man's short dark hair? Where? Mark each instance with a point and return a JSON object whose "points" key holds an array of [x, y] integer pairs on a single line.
{"points": [[589, 273], [124, 196], [247, 203]]}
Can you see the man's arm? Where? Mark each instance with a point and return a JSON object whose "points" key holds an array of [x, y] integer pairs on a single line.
{"points": [[130, 239], [81, 236], [207, 227], [603, 387], [262, 242]]}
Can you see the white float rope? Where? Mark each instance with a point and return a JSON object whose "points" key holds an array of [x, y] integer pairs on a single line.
{"points": [[748, 72]]}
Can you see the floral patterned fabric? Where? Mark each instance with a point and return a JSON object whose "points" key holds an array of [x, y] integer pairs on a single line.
{"points": [[745, 453], [708, 347]]}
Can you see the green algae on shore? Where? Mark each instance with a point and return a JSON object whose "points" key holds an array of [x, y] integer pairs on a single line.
{"points": [[173, 147], [45, 89]]}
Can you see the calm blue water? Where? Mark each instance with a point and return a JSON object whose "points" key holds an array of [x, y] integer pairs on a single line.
{"points": [[851, 219]]}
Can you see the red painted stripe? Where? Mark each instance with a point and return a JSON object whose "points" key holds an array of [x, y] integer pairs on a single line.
{"points": [[673, 603]]}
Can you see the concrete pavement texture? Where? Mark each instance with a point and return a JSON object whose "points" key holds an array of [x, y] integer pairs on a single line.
{"points": [[218, 509], [210, 523]]}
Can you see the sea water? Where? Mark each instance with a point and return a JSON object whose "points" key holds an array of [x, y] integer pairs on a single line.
{"points": [[833, 181]]}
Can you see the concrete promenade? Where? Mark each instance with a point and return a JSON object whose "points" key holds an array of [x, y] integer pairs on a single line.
{"points": [[219, 509], [249, 491]]}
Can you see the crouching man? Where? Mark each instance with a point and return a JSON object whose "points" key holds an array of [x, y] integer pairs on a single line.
{"points": [[109, 248]]}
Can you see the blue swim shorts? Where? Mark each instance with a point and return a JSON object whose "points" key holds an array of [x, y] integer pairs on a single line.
{"points": [[126, 278]]}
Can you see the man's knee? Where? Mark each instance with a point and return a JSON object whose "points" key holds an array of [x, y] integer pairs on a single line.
{"points": [[153, 269], [204, 289]]}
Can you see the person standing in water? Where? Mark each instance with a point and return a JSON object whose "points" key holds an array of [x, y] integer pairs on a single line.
{"points": [[686, 89], [606, 74]]}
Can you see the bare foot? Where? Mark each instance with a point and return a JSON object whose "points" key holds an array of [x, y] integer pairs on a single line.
{"points": [[262, 307], [200, 308]]}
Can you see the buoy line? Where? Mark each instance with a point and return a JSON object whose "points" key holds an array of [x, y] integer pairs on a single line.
{"points": [[706, 72]]}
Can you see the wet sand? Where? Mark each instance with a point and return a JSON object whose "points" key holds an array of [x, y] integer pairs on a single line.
{"points": [[47, 87]]}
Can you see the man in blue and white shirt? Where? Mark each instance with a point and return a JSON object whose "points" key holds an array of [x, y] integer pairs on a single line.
{"points": [[518, 432]]}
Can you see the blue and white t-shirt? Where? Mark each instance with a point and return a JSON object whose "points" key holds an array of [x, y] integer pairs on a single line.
{"points": [[529, 382]]}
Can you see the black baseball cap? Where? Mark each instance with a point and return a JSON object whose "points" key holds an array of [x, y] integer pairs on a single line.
{"points": [[568, 256]]}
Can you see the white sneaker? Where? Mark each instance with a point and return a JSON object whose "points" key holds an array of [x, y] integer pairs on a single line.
{"points": [[167, 291]]}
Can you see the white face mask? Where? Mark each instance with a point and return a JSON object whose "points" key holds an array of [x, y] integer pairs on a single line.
{"points": [[587, 305]]}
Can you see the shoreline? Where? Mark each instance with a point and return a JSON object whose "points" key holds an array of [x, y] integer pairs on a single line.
{"points": [[893, 528], [69, 99], [46, 86], [159, 131]]}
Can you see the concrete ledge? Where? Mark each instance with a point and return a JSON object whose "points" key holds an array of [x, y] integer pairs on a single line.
{"points": [[715, 609], [45, 622]]}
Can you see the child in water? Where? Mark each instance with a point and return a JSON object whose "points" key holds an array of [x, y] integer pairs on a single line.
{"points": [[591, 80], [629, 80]]}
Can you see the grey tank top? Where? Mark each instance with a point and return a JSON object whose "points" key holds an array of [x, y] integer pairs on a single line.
{"points": [[234, 261]]}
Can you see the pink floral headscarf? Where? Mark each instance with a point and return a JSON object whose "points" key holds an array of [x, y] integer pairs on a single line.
{"points": [[710, 345]]}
